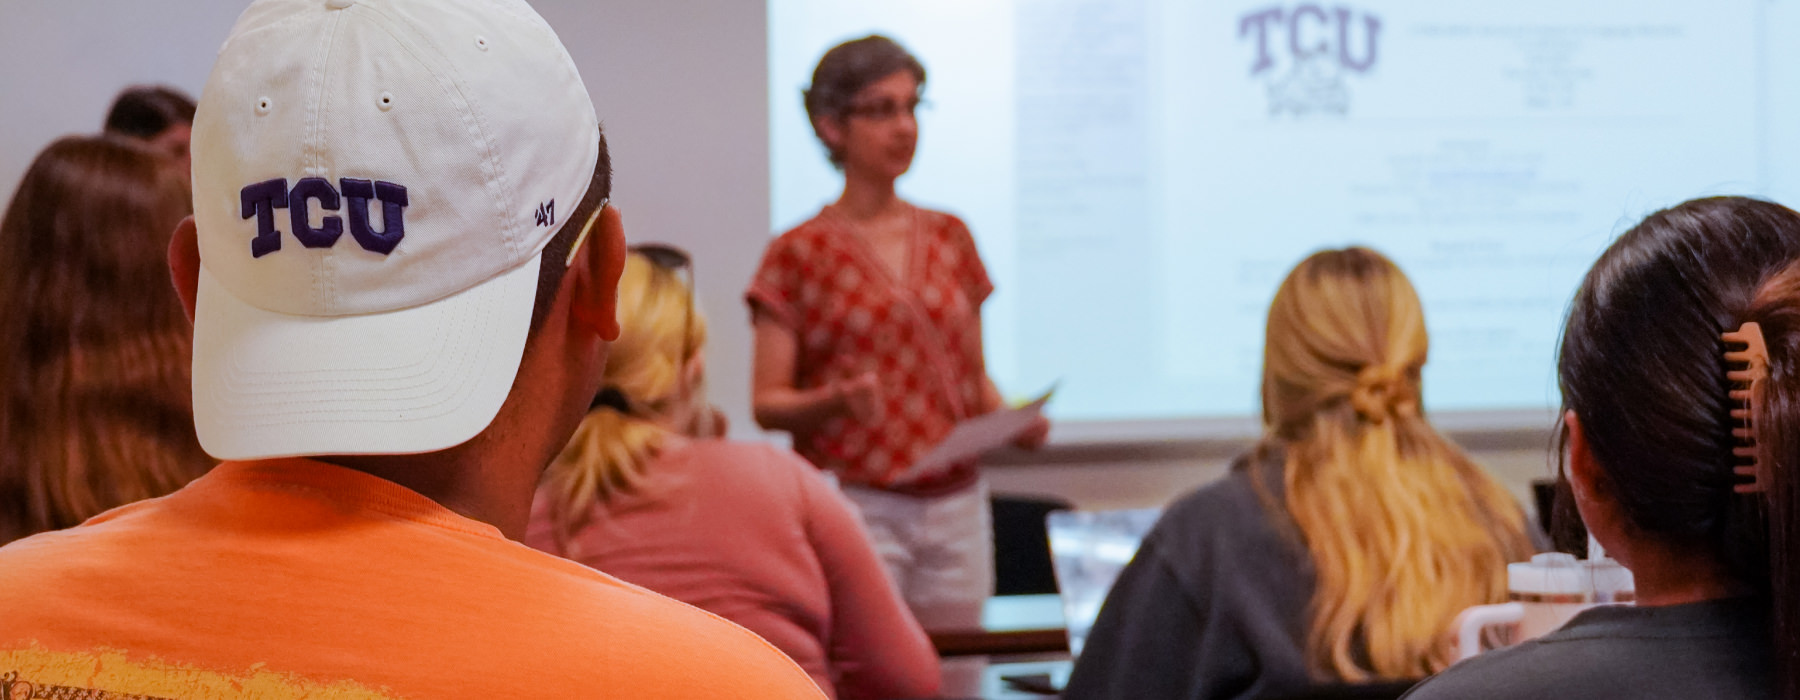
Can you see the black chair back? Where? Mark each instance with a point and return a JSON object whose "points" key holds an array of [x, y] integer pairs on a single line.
{"points": [[1022, 545]]}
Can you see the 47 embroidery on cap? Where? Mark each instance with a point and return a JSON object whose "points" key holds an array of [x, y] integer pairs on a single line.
{"points": [[263, 198]]}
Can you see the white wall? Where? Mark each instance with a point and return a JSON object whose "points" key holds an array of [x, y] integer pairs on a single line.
{"points": [[681, 88], [62, 62]]}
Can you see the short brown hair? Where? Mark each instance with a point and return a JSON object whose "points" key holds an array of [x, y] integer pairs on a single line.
{"points": [[143, 111], [845, 70], [551, 268], [96, 411]]}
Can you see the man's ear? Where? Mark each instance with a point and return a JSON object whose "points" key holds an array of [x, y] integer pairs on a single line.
{"points": [[184, 264], [595, 274]]}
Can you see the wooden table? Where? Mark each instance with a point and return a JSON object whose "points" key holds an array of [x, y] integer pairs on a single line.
{"points": [[983, 677], [1021, 624]]}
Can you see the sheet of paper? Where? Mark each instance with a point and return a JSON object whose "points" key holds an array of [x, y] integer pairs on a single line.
{"points": [[976, 436]]}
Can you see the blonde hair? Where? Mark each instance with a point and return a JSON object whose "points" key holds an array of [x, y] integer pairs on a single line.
{"points": [[1404, 530], [609, 451]]}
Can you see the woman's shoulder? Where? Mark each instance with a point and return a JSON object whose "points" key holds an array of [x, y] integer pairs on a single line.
{"points": [[714, 450], [1227, 498], [1222, 503], [942, 223], [735, 460], [938, 216], [1533, 669], [1717, 648], [1231, 513], [821, 225]]}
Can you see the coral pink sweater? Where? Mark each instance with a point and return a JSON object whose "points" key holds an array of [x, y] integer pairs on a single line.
{"points": [[756, 535]]}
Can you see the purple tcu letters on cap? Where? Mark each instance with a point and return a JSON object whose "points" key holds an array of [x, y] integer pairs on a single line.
{"points": [[263, 198]]}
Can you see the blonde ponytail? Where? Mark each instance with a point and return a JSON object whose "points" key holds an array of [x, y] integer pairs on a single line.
{"points": [[606, 456], [614, 445], [1404, 530]]}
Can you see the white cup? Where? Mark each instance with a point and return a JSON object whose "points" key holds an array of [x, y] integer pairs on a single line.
{"points": [[1545, 592], [1612, 582]]}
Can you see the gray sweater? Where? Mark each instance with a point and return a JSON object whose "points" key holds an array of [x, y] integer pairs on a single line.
{"points": [[1213, 605], [1714, 649]]}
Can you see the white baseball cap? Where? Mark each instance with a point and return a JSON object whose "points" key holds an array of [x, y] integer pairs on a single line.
{"points": [[374, 182]]}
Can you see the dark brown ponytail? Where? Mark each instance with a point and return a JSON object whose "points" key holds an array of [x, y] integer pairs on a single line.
{"points": [[1770, 518], [1642, 364]]}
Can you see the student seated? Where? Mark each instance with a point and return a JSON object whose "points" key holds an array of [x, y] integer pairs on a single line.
{"points": [[96, 411], [159, 116], [392, 338], [745, 530], [1342, 547], [1648, 421]]}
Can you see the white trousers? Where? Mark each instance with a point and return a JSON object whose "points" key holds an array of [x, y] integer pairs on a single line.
{"points": [[938, 550]]}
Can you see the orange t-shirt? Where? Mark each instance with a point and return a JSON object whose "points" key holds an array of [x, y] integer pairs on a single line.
{"points": [[294, 578]]}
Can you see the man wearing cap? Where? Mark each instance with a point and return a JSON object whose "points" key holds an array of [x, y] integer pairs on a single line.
{"points": [[401, 270]]}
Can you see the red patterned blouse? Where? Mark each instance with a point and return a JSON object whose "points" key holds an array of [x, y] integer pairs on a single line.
{"points": [[920, 335]]}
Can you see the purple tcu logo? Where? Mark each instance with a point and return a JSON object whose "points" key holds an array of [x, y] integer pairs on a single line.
{"points": [[1320, 47], [263, 198]]}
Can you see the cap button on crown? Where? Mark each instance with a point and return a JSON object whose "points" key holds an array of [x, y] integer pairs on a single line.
{"points": [[339, 4]]}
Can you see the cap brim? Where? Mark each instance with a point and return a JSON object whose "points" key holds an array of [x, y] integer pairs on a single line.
{"points": [[416, 380]]}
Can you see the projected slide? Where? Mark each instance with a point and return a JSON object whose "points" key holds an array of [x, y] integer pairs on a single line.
{"points": [[1139, 174]]}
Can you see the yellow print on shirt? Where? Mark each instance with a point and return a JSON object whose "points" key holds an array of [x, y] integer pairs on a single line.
{"points": [[109, 674]]}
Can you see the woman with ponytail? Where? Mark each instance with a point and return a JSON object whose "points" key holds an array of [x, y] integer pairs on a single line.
{"points": [[746, 531], [1681, 459], [1342, 547]]}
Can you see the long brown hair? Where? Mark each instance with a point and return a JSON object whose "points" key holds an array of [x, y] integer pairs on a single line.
{"points": [[1642, 367], [95, 350], [1404, 530]]}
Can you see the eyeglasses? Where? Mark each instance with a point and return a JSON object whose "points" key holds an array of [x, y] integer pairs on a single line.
{"points": [[884, 110], [665, 256], [675, 260]]}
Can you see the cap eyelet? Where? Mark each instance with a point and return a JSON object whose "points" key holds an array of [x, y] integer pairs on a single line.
{"points": [[481, 42], [263, 105], [386, 101]]}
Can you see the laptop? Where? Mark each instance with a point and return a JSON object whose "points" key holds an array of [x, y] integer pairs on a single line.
{"points": [[1087, 551]]}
